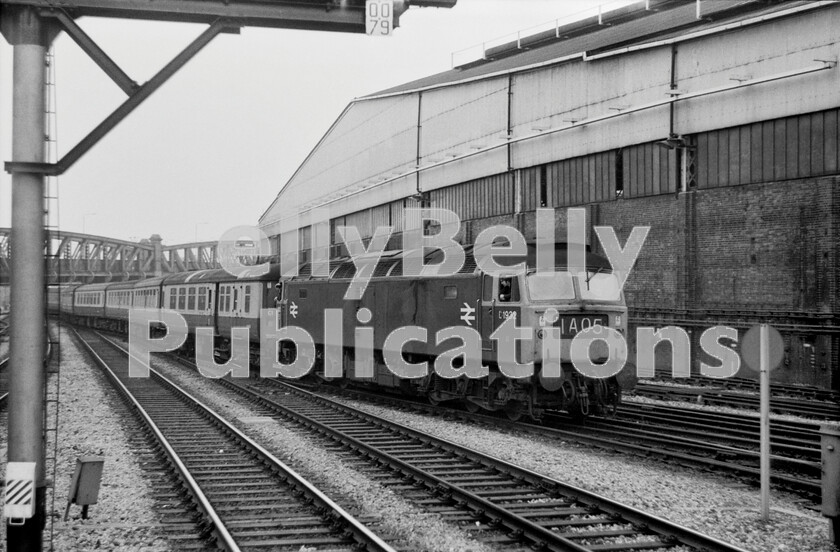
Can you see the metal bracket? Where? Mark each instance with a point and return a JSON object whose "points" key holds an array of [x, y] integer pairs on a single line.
{"points": [[136, 94], [93, 51]]}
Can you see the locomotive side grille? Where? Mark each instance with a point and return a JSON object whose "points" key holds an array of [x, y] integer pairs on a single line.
{"points": [[347, 270], [469, 264], [397, 268], [382, 267]]}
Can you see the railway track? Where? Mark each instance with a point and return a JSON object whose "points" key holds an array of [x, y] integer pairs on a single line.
{"points": [[719, 443], [247, 499], [520, 507], [746, 384], [716, 396]]}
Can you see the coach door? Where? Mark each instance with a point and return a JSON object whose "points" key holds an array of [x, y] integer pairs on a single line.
{"points": [[243, 300], [500, 300]]}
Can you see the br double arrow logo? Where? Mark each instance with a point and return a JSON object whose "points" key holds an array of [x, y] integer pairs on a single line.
{"points": [[468, 314]]}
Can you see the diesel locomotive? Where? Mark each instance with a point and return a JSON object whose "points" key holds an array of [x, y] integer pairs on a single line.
{"points": [[570, 301]]}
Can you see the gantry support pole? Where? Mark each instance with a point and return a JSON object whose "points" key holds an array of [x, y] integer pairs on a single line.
{"points": [[29, 37]]}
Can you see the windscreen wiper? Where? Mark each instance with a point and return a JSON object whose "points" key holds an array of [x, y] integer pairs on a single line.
{"points": [[593, 274]]}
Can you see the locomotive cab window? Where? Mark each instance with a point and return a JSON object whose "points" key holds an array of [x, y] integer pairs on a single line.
{"points": [[550, 286], [599, 286], [450, 292], [303, 293], [508, 289]]}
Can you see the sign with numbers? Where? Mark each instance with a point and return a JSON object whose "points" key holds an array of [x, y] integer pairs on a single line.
{"points": [[379, 17]]}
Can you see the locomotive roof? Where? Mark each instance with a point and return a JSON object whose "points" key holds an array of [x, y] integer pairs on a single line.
{"points": [[390, 262]]}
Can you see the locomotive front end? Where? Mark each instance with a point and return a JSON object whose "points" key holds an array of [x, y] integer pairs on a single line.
{"points": [[563, 304]]}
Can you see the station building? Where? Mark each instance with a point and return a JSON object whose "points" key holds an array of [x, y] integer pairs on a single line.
{"points": [[715, 123]]}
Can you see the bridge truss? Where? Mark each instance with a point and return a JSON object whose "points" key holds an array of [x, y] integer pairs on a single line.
{"points": [[85, 258]]}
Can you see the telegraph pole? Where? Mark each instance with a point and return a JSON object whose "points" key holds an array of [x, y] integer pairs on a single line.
{"points": [[24, 29]]}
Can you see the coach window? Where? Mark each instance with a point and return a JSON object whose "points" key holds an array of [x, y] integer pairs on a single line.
{"points": [[182, 298], [235, 298], [172, 299], [202, 299], [191, 299], [247, 307]]}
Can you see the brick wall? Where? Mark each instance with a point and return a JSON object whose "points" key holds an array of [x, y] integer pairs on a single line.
{"points": [[729, 255]]}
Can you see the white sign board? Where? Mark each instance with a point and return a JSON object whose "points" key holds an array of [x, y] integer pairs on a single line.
{"points": [[379, 17]]}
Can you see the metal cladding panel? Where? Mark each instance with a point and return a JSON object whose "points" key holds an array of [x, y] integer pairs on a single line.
{"points": [[397, 214], [370, 141], [755, 52], [456, 118], [487, 197], [460, 120], [778, 149], [375, 195], [361, 220], [471, 168], [561, 95], [649, 125], [380, 216]]}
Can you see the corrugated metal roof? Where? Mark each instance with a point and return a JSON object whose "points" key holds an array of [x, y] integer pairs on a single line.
{"points": [[632, 26]]}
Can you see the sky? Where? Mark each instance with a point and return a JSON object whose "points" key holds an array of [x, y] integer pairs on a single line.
{"points": [[215, 144]]}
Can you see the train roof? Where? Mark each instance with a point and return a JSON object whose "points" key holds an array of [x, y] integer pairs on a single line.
{"points": [[246, 274], [150, 282], [194, 277], [102, 286], [122, 285]]}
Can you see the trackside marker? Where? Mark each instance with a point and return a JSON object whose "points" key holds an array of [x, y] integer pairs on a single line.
{"points": [[763, 350], [19, 504]]}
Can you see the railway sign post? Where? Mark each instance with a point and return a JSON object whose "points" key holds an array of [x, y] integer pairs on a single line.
{"points": [[763, 349]]}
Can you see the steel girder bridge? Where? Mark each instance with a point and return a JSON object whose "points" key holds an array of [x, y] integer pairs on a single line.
{"points": [[83, 258]]}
